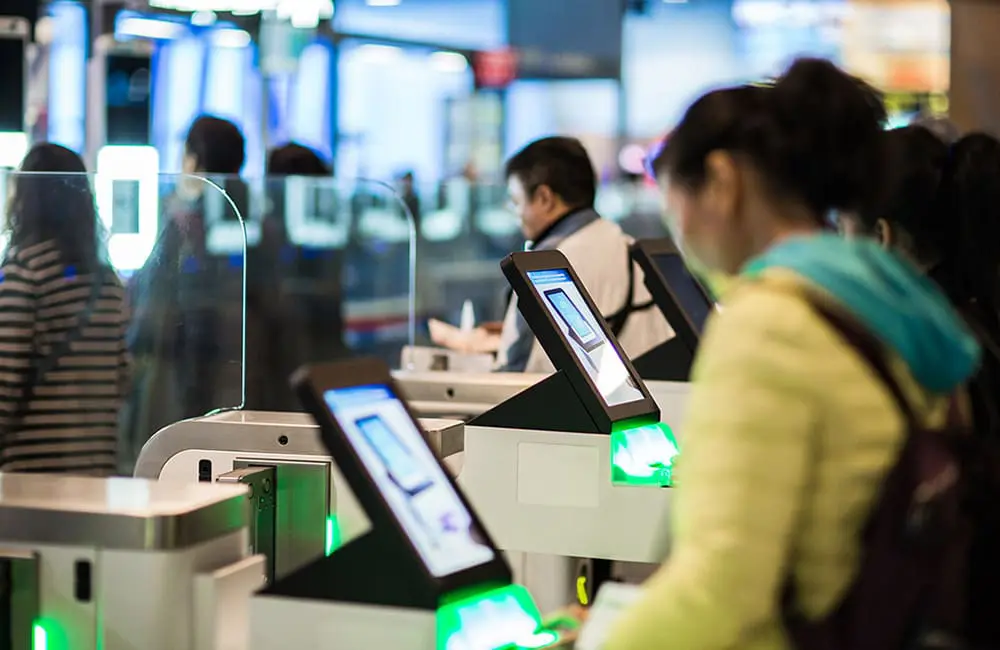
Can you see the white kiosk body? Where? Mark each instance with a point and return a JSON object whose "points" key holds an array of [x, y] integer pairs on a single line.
{"points": [[315, 510], [126, 564]]}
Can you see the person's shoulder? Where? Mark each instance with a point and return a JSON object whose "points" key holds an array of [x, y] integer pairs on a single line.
{"points": [[35, 255], [600, 233], [29, 260], [769, 320]]}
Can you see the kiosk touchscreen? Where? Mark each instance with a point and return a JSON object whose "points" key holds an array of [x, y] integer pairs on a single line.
{"points": [[685, 303], [426, 549], [595, 388]]}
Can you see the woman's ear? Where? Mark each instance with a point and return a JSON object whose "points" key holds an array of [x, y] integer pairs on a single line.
{"points": [[723, 184], [883, 233]]}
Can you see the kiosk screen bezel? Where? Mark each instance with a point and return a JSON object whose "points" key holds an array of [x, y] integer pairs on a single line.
{"points": [[645, 253], [312, 383], [516, 268]]}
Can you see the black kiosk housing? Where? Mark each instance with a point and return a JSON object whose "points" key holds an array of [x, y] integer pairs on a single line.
{"points": [[568, 400], [383, 566], [684, 302]]}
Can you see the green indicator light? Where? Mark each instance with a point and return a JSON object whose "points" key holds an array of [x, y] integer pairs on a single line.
{"points": [[643, 455], [39, 638], [498, 619], [333, 536], [46, 635]]}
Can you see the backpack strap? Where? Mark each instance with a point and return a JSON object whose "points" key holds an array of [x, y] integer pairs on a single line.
{"points": [[943, 611], [866, 346], [616, 321]]}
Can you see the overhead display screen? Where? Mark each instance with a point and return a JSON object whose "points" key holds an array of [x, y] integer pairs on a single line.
{"points": [[410, 480], [128, 99], [689, 294], [12, 85], [579, 325]]}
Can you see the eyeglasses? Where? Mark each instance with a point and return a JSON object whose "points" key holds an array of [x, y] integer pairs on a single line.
{"points": [[651, 156]]}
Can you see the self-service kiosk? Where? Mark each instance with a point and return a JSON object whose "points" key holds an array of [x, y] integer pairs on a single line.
{"points": [[575, 465], [426, 574], [305, 508], [684, 302], [122, 564], [461, 395]]}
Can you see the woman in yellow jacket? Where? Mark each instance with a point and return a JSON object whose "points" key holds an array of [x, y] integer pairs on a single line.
{"points": [[788, 433]]}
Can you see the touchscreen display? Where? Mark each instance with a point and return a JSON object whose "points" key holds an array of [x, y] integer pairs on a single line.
{"points": [[12, 104], [689, 294], [410, 479], [580, 327]]}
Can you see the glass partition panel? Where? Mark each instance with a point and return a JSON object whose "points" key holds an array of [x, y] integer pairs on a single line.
{"points": [[331, 274], [116, 317], [179, 243]]}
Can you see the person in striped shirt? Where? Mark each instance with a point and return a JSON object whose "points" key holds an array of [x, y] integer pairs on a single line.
{"points": [[63, 357]]}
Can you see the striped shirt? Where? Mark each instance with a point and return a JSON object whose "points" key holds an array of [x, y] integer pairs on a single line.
{"points": [[66, 420]]}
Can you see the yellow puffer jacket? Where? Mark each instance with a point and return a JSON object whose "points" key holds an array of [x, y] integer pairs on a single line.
{"points": [[787, 438]]}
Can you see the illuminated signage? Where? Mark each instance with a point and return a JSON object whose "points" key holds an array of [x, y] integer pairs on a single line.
{"points": [[301, 13]]}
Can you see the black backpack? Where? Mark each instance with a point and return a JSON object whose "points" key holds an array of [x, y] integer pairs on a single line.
{"points": [[911, 583]]}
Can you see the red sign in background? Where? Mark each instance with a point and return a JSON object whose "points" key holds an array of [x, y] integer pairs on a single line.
{"points": [[495, 69]]}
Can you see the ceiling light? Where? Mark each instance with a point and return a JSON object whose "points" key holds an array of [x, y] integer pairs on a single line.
{"points": [[382, 3], [449, 62], [150, 28], [378, 53], [231, 38], [203, 18]]}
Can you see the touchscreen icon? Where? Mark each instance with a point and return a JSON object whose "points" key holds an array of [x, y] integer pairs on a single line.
{"points": [[407, 477], [403, 468], [579, 328]]}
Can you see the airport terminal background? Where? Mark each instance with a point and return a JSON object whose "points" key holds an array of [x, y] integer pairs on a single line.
{"points": [[442, 90], [414, 105]]}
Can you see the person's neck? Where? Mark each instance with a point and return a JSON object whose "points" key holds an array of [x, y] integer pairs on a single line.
{"points": [[782, 230], [561, 216]]}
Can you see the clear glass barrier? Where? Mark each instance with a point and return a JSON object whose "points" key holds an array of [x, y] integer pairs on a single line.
{"points": [[123, 301], [184, 260], [467, 228], [331, 274]]}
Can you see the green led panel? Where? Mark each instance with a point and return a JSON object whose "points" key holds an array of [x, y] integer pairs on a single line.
{"points": [[505, 618], [47, 635], [643, 455], [333, 534]]}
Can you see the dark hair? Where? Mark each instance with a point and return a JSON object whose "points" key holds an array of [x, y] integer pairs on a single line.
{"points": [[293, 159], [970, 194], [812, 135], [53, 200], [560, 163], [915, 160], [217, 145], [942, 127]]}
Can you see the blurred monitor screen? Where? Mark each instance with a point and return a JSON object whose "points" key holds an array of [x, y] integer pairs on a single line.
{"points": [[12, 84]]}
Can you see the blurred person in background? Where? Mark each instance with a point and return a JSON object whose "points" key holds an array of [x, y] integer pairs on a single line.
{"points": [[178, 299], [64, 366], [552, 187], [939, 210], [789, 432], [408, 193], [294, 302]]}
